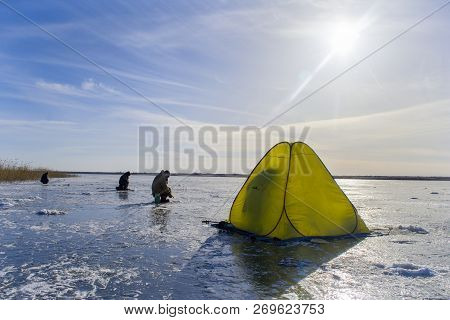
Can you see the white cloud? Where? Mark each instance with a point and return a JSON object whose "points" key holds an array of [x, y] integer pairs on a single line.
{"points": [[87, 87], [57, 87], [98, 87]]}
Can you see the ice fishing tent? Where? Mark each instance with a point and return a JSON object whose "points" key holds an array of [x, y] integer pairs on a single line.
{"points": [[290, 194]]}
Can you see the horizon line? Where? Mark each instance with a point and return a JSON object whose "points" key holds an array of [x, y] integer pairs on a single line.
{"points": [[239, 175]]}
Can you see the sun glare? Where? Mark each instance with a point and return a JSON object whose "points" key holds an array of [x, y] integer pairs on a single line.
{"points": [[344, 37]]}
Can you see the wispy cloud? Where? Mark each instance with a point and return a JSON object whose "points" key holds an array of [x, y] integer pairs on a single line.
{"points": [[38, 124], [86, 88], [93, 89]]}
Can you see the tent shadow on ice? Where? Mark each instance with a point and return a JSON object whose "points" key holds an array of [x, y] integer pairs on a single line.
{"points": [[291, 194], [229, 266]]}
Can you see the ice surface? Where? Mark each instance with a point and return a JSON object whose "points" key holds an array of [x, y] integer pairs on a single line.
{"points": [[120, 245]]}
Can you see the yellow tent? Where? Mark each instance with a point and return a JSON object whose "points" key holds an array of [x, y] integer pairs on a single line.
{"points": [[290, 194]]}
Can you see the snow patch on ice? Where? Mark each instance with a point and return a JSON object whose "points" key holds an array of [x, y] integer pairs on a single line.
{"points": [[409, 270], [290, 296], [40, 228], [50, 212], [413, 229], [6, 203], [6, 270]]}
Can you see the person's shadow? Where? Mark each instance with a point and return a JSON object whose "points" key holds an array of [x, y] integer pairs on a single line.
{"points": [[134, 205], [159, 217], [235, 267], [123, 195]]}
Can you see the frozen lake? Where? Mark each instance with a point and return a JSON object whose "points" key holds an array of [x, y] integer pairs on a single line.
{"points": [[110, 245]]}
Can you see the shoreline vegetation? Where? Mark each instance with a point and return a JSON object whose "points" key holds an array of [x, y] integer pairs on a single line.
{"points": [[11, 171]]}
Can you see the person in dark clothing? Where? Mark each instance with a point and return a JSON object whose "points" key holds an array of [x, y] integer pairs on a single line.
{"points": [[160, 188], [123, 181], [44, 178]]}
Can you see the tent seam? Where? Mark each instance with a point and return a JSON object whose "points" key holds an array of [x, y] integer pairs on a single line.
{"points": [[284, 198], [231, 209], [287, 215]]}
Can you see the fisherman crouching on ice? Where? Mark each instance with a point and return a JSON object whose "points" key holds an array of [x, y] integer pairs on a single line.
{"points": [[44, 178], [160, 188], [124, 181]]}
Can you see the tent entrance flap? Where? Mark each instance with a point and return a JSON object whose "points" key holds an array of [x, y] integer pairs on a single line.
{"points": [[289, 194]]}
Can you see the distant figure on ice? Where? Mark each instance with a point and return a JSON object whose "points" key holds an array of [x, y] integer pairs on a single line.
{"points": [[44, 178], [160, 188], [124, 181]]}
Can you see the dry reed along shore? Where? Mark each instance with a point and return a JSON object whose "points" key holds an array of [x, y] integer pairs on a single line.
{"points": [[15, 171]]}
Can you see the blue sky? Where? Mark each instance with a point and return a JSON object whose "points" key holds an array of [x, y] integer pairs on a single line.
{"points": [[225, 63]]}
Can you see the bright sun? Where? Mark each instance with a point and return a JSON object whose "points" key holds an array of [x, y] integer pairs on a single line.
{"points": [[344, 37]]}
